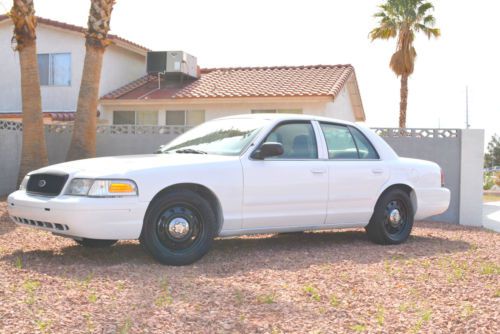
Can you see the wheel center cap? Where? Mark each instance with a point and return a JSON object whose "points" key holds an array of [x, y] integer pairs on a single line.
{"points": [[395, 217], [178, 227]]}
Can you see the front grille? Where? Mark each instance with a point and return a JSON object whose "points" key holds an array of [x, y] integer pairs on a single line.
{"points": [[37, 223], [46, 184]]}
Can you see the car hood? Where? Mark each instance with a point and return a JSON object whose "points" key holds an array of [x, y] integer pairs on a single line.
{"points": [[122, 165]]}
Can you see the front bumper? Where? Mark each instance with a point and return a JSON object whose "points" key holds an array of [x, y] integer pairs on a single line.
{"points": [[79, 217]]}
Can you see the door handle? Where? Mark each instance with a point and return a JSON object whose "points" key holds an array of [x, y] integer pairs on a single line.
{"points": [[318, 171], [377, 171]]}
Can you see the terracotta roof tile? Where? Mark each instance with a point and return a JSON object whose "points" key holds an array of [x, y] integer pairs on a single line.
{"points": [[280, 81], [79, 29]]}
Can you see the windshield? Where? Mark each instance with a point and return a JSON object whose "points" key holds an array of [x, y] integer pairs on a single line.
{"points": [[222, 137]]}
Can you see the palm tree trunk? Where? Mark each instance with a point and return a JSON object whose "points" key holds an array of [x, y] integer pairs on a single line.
{"points": [[83, 142], [404, 101], [34, 151]]}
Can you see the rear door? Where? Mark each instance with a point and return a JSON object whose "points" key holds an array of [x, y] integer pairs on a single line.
{"points": [[288, 190], [356, 175]]}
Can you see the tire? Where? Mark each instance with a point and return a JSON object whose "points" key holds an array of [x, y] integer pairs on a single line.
{"points": [[385, 230], [95, 243], [179, 228]]}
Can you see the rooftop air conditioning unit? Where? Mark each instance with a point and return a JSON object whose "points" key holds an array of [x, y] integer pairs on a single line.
{"points": [[169, 62]]}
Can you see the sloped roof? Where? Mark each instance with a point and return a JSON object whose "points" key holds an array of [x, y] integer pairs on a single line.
{"points": [[82, 30], [279, 81]]}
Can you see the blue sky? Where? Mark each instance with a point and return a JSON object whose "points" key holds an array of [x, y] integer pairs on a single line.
{"points": [[224, 33]]}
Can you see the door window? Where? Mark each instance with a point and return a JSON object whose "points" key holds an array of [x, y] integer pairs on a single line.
{"points": [[365, 148], [339, 142], [345, 142], [298, 140]]}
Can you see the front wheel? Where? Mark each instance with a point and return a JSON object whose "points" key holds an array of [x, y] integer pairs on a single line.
{"points": [[392, 220], [179, 228]]}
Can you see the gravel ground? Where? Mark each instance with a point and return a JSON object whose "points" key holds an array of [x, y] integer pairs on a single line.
{"points": [[445, 279]]}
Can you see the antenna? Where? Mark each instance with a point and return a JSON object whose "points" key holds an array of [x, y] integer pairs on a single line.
{"points": [[467, 125]]}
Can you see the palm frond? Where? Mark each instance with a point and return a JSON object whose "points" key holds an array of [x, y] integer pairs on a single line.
{"points": [[99, 23], [383, 33], [403, 61], [23, 17], [429, 20], [423, 8]]}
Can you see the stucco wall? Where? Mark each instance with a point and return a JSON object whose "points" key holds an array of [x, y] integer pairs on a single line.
{"points": [[10, 87], [471, 170], [120, 66], [340, 108]]}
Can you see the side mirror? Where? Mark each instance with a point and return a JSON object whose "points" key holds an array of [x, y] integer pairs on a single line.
{"points": [[267, 150]]}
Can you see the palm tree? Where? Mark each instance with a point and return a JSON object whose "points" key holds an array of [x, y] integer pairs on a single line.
{"points": [[34, 151], [403, 19], [83, 142]]}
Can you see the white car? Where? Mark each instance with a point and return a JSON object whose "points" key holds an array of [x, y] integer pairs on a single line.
{"points": [[238, 175]]}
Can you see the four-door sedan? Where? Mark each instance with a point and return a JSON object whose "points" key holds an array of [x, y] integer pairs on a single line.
{"points": [[238, 175]]}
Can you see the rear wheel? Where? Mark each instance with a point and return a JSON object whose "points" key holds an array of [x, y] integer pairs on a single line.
{"points": [[179, 228], [95, 243], [392, 220]]}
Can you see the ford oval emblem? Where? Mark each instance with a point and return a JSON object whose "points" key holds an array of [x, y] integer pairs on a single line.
{"points": [[42, 183]]}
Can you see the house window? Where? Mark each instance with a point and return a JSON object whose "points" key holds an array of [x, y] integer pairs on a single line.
{"points": [[129, 117], [146, 117], [184, 117], [176, 117], [124, 117], [277, 111], [54, 69]]}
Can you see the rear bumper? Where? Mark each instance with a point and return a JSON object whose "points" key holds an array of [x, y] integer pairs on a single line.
{"points": [[431, 202], [80, 217]]}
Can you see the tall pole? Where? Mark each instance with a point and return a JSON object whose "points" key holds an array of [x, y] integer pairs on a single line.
{"points": [[466, 107]]}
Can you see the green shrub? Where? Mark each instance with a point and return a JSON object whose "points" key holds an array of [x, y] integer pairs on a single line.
{"points": [[488, 182]]}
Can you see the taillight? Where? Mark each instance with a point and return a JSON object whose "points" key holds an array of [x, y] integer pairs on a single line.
{"points": [[442, 178]]}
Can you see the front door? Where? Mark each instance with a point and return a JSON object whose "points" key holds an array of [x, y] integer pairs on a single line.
{"points": [[288, 190]]}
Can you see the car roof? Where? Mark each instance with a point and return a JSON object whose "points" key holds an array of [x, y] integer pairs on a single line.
{"points": [[287, 117]]}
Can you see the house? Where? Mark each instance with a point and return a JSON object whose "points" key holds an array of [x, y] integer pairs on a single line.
{"points": [[61, 51], [328, 90], [130, 97]]}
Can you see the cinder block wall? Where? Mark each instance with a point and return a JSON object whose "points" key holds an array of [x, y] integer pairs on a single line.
{"points": [[111, 140], [458, 152]]}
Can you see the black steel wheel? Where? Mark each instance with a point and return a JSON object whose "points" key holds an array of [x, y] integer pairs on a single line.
{"points": [[179, 228], [396, 217], [392, 220]]}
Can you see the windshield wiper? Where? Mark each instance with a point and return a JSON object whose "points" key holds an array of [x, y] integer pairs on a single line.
{"points": [[190, 150]]}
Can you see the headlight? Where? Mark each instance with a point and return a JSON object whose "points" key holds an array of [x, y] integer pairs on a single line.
{"points": [[101, 188], [24, 183]]}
